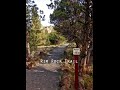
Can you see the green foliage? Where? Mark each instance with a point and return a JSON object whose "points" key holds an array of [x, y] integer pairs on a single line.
{"points": [[65, 17], [33, 24], [62, 39], [43, 38], [53, 38], [34, 40], [88, 82], [71, 19]]}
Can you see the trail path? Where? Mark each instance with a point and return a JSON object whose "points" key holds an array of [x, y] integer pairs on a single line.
{"points": [[46, 76]]}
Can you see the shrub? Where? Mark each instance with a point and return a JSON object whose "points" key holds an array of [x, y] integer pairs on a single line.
{"points": [[53, 38], [88, 82]]}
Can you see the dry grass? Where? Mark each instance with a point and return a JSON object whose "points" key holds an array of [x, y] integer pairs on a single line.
{"points": [[86, 81]]}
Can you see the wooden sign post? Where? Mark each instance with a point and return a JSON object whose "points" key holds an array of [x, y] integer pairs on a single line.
{"points": [[76, 53]]}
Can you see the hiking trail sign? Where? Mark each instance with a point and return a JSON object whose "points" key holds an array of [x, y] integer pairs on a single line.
{"points": [[76, 51]]}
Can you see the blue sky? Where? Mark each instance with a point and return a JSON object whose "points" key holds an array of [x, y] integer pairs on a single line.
{"points": [[42, 6]]}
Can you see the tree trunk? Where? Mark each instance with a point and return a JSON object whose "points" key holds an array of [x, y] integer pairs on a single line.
{"points": [[27, 51], [85, 41], [27, 47], [88, 58]]}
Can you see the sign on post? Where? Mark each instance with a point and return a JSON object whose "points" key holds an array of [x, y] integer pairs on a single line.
{"points": [[76, 51]]}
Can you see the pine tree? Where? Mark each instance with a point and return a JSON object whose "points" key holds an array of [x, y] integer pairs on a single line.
{"points": [[35, 29], [28, 28], [33, 26]]}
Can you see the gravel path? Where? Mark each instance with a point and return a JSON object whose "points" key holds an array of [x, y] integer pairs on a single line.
{"points": [[45, 76]]}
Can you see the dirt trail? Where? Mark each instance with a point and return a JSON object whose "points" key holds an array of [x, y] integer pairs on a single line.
{"points": [[46, 76]]}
